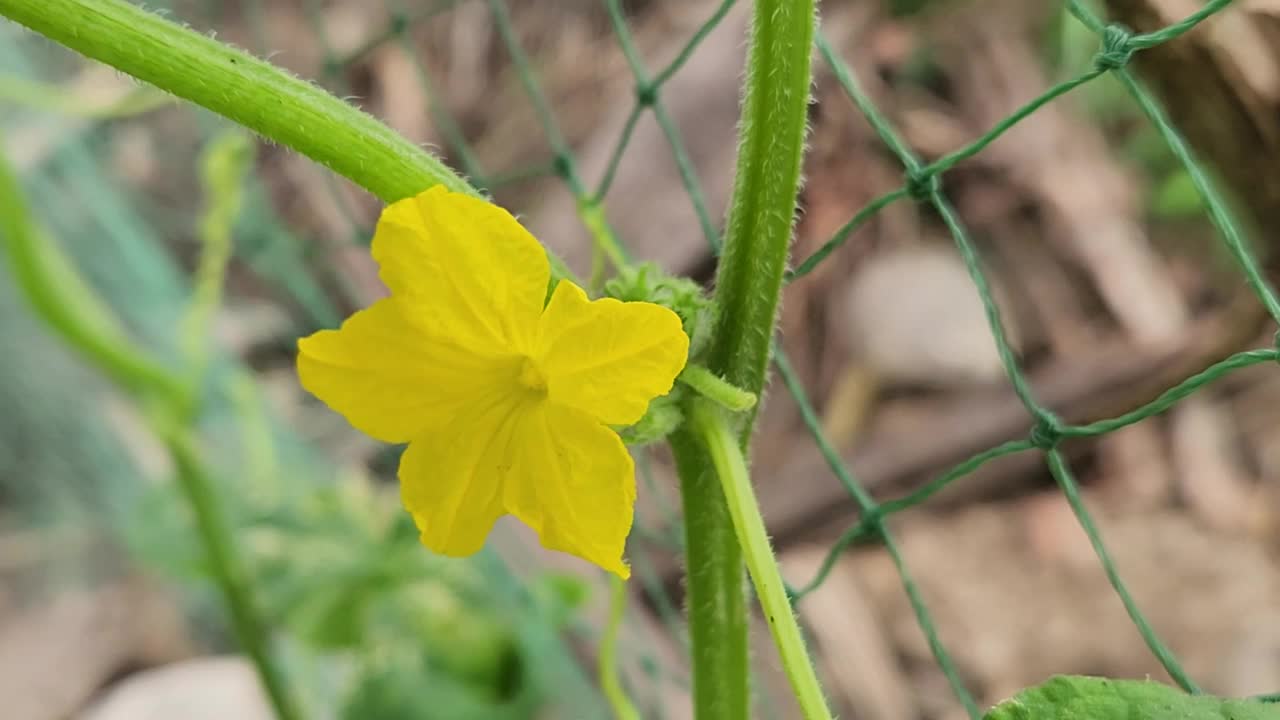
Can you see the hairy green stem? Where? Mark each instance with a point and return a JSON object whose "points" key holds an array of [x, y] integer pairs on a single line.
{"points": [[748, 283], [714, 388], [713, 428], [715, 597], [762, 210]]}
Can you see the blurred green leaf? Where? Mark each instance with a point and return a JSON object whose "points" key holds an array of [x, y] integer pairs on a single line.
{"points": [[559, 596], [1088, 698], [398, 688], [1176, 197], [332, 616]]}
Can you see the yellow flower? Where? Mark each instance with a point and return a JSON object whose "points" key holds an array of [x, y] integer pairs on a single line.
{"points": [[506, 406]]}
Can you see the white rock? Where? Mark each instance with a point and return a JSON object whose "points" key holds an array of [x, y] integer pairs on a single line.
{"points": [[915, 316], [210, 688]]}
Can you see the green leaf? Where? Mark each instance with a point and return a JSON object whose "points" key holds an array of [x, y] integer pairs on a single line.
{"points": [[1088, 698], [1176, 196]]}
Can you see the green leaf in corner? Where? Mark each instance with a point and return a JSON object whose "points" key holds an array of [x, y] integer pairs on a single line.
{"points": [[1088, 698]]}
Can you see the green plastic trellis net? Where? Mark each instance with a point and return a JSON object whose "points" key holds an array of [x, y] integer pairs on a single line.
{"points": [[922, 183]]}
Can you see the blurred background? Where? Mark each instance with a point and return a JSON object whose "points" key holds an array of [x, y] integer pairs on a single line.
{"points": [[1105, 264]]}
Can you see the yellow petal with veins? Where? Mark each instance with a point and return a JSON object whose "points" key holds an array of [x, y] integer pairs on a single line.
{"points": [[451, 480], [609, 358], [464, 268], [572, 481], [391, 383]]}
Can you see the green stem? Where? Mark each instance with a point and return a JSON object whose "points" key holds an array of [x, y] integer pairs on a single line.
{"points": [[225, 565], [223, 164], [762, 210], [623, 709], [748, 282], [62, 300], [726, 453], [714, 388], [715, 596]]}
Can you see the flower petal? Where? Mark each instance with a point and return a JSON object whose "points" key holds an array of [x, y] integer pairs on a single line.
{"points": [[467, 268], [451, 479], [573, 482], [391, 381], [606, 357]]}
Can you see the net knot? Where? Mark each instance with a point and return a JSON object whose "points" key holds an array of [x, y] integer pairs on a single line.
{"points": [[922, 184], [1117, 48], [1047, 432], [870, 525], [646, 94]]}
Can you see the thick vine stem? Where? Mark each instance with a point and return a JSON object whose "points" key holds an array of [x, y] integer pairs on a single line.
{"points": [[748, 283], [716, 599], [762, 210]]}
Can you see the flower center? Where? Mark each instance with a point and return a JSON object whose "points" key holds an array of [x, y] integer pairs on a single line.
{"points": [[532, 377]]}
